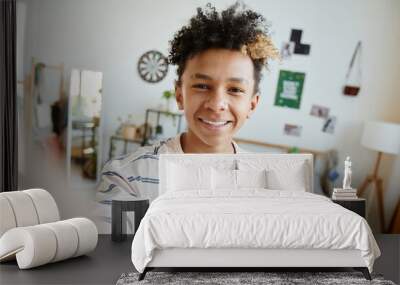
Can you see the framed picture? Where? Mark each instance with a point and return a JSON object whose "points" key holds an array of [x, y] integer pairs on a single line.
{"points": [[329, 125], [292, 130], [287, 50], [319, 111], [290, 89]]}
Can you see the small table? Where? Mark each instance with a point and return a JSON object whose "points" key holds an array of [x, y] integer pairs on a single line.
{"points": [[139, 206], [355, 205]]}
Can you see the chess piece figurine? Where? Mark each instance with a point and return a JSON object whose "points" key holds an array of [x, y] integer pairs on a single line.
{"points": [[347, 174]]}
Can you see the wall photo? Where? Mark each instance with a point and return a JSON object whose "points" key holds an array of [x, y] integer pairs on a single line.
{"points": [[290, 89]]}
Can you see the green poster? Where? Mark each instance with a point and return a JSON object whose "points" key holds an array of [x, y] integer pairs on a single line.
{"points": [[290, 89]]}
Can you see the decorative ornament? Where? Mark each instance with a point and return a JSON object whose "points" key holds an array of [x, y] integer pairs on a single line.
{"points": [[299, 47], [347, 174], [152, 66], [353, 77]]}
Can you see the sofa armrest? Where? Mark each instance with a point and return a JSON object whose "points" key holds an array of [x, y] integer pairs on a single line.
{"points": [[40, 244]]}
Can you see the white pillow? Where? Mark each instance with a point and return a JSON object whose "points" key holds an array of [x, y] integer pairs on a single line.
{"points": [[224, 179], [181, 177], [293, 178], [236, 179], [251, 178]]}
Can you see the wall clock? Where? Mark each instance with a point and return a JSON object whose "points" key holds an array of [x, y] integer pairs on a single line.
{"points": [[152, 66]]}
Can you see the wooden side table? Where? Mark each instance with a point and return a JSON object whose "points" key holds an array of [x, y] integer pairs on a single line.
{"points": [[139, 206], [355, 205]]}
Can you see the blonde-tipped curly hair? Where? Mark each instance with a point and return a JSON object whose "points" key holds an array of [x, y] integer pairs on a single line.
{"points": [[236, 28]]}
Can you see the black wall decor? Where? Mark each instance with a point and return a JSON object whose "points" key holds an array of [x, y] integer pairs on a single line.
{"points": [[299, 48], [152, 66]]}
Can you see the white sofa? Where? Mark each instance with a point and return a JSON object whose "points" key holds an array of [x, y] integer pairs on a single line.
{"points": [[31, 231]]}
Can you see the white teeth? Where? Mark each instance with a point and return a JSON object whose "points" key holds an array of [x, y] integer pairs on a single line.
{"points": [[215, 123]]}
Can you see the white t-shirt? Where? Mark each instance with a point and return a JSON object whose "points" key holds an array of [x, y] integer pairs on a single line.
{"points": [[136, 174]]}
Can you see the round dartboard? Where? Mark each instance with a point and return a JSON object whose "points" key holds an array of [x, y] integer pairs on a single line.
{"points": [[152, 66]]}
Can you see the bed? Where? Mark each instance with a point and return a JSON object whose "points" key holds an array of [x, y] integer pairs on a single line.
{"points": [[247, 211]]}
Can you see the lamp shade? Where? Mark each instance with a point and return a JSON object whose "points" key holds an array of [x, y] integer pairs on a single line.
{"points": [[382, 136]]}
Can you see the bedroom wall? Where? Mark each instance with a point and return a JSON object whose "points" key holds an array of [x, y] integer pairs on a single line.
{"points": [[110, 36]]}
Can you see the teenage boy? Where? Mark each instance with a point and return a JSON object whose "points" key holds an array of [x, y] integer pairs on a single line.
{"points": [[219, 57]]}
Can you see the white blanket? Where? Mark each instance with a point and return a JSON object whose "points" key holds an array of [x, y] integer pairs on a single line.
{"points": [[252, 218]]}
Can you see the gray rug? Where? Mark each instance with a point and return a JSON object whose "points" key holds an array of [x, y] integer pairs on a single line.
{"points": [[229, 278]]}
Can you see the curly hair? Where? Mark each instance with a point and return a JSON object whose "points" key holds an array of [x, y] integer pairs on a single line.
{"points": [[231, 29]]}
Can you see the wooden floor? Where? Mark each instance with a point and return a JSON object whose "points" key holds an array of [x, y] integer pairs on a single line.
{"points": [[111, 259]]}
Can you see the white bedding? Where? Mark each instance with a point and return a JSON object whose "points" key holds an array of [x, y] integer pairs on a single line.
{"points": [[252, 218]]}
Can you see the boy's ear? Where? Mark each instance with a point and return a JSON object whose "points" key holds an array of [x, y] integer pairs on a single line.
{"points": [[253, 104], [179, 96]]}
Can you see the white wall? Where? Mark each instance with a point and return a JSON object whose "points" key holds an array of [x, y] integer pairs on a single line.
{"points": [[110, 36]]}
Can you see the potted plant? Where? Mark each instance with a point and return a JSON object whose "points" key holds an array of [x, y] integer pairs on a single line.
{"points": [[168, 95]]}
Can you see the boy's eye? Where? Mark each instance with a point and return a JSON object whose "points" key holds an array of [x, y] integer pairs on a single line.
{"points": [[236, 90], [201, 86]]}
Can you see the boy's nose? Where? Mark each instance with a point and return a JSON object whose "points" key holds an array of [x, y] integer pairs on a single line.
{"points": [[217, 102]]}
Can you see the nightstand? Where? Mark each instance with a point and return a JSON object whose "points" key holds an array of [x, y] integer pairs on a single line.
{"points": [[139, 206], [355, 205]]}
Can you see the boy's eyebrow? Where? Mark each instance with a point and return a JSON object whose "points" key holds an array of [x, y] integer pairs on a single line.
{"points": [[207, 77], [238, 79], [201, 76]]}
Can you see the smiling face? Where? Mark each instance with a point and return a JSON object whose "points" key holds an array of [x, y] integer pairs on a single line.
{"points": [[216, 92]]}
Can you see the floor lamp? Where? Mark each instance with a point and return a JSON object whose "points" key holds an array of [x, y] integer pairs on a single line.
{"points": [[382, 137], [394, 226]]}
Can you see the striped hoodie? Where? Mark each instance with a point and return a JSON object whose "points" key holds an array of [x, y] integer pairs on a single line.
{"points": [[136, 174]]}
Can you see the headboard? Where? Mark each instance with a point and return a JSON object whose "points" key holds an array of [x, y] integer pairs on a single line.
{"points": [[234, 161]]}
